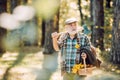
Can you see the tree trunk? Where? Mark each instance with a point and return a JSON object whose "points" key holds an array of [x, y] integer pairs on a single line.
{"points": [[80, 10], [13, 4], [91, 17], [91, 10], [3, 8], [51, 25], [43, 33], [115, 52], [108, 3], [98, 24], [22, 2]]}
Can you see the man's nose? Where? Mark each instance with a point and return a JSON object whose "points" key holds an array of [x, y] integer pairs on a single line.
{"points": [[72, 24]]}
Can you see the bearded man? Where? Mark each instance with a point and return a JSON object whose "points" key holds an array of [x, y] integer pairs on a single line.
{"points": [[66, 43]]}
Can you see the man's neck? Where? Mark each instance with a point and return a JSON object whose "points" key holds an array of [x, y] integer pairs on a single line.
{"points": [[72, 37]]}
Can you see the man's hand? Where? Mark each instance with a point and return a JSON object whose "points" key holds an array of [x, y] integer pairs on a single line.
{"points": [[55, 35]]}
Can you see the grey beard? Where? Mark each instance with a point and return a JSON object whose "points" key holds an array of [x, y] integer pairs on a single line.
{"points": [[72, 32]]}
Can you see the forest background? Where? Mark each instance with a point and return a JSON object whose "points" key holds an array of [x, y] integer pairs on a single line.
{"points": [[29, 23]]}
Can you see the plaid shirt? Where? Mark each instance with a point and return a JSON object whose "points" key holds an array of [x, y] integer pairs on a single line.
{"points": [[70, 54]]}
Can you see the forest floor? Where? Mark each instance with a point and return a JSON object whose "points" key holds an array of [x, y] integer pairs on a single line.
{"points": [[31, 64]]}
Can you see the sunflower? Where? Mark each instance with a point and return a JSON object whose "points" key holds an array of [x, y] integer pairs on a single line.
{"points": [[77, 46], [77, 67]]}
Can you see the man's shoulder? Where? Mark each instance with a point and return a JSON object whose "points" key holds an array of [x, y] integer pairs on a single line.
{"points": [[79, 34], [63, 36]]}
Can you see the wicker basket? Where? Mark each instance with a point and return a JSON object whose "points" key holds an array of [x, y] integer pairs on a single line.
{"points": [[86, 71]]}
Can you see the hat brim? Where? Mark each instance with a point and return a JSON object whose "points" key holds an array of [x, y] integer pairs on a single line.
{"points": [[70, 20]]}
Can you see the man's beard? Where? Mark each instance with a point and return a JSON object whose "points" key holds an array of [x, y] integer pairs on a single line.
{"points": [[72, 32]]}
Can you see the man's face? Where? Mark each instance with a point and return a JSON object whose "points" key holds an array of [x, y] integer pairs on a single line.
{"points": [[71, 28]]}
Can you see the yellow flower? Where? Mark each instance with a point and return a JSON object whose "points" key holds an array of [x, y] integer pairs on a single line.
{"points": [[81, 65], [77, 46], [74, 70], [77, 67]]}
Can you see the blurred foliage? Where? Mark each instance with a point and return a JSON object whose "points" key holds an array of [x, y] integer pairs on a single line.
{"points": [[45, 8], [68, 8], [108, 27], [85, 4], [108, 23]]}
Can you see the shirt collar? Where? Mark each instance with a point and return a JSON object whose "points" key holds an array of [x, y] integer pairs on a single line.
{"points": [[68, 35]]}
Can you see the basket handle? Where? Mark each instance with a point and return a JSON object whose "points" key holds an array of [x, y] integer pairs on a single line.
{"points": [[84, 56]]}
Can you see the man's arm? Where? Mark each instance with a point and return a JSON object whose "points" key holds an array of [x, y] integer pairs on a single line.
{"points": [[55, 36], [55, 44]]}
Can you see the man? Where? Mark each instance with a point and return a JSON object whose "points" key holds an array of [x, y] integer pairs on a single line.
{"points": [[67, 42]]}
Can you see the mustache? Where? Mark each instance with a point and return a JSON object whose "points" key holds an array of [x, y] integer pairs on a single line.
{"points": [[72, 32]]}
